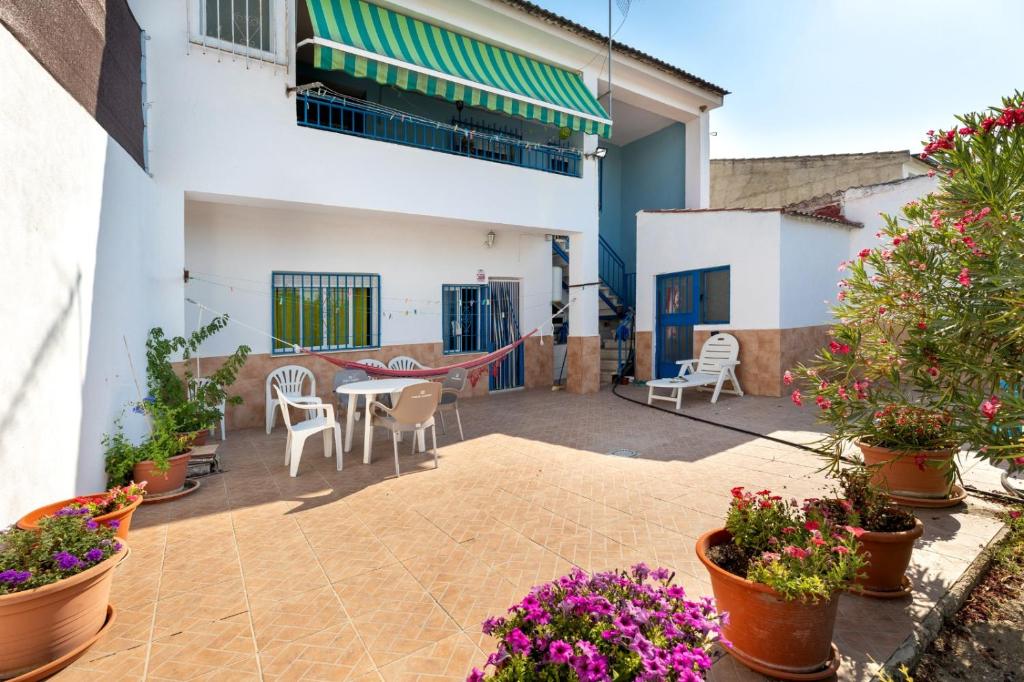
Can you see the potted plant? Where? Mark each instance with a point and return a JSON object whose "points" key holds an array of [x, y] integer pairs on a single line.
{"points": [[777, 569], [194, 401], [114, 508], [54, 590], [929, 321], [160, 460], [889, 532], [604, 626]]}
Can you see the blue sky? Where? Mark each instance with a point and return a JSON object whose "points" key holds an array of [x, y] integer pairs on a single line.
{"points": [[828, 76]]}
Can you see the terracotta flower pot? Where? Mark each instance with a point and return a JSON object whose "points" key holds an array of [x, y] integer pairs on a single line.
{"points": [[889, 556], [200, 437], [158, 482], [790, 640], [40, 625], [926, 474], [123, 515]]}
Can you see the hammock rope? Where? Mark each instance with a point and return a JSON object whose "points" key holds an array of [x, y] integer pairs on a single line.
{"points": [[476, 365]]}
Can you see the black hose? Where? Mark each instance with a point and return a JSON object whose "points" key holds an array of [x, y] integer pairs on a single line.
{"points": [[1006, 499]]}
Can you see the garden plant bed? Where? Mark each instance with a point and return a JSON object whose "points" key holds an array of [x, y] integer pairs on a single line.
{"points": [[982, 641]]}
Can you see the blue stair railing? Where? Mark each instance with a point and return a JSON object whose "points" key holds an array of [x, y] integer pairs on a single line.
{"points": [[611, 270]]}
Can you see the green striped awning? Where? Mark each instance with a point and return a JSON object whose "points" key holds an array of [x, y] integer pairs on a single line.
{"points": [[369, 41]]}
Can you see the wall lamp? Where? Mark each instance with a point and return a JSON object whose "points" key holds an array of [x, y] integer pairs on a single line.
{"points": [[598, 153], [489, 243]]}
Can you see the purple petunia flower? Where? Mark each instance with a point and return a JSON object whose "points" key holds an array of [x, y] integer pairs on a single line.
{"points": [[113, 525], [560, 651], [91, 525], [475, 676], [518, 642], [66, 561], [117, 546], [14, 577], [71, 511], [94, 555]]}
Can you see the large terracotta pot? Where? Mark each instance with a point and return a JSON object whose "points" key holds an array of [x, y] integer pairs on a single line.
{"points": [[40, 625], [790, 640], [899, 473], [889, 556], [123, 515], [158, 482]]}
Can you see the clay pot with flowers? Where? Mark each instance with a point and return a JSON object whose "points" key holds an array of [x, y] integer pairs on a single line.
{"points": [[778, 569], [616, 625], [890, 532], [925, 357], [114, 508], [54, 592]]}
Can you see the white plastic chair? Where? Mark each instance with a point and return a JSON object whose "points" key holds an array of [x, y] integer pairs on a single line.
{"points": [[413, 411], [222, 406], [716, 365], [370, 362], [290, 380], [321, 422], [403, 362], [450, 389]]}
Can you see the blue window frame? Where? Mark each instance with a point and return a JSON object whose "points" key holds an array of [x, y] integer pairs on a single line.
{"points": [[324, 311], [713, 292], [464, 318]]}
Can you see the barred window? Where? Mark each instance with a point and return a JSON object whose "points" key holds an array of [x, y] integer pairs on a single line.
{"points": [[325, 311], [232, 24], [464, 316]]}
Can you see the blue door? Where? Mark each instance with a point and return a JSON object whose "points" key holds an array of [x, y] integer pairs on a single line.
{"points": [[677, 313], [510, 371]]}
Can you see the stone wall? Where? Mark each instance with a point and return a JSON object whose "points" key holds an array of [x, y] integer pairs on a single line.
{"points": [[780, 181]]}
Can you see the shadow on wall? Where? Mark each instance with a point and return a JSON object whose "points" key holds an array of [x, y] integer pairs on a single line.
{"points": [[120, 314]]}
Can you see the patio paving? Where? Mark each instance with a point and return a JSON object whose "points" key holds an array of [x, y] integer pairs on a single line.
{"points": [[359, 575]]}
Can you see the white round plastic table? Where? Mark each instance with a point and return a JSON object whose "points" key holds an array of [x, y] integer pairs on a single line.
{"points": [[370, 390]]}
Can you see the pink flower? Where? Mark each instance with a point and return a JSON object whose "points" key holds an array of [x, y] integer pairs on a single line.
{"points": [[933, 371], [990, 407], [864, 253], [837, 347], [856, 530], [882, 309], [1015, 514], [965, 277], [841, 549], [796, 398], [796, 552], [823, 402], [812, 525], [787, 378], [475, 676]]}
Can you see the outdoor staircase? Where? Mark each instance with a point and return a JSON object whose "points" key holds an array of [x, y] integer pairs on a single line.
{"points": [[616, 299]]}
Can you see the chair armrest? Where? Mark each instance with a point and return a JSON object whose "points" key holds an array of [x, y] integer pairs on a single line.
{"points": [[310, 399], [686, 366], [375, 405]]}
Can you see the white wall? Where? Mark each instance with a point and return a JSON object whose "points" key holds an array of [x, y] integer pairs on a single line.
{"points": [[811, 251], [239, 246], [83, 271], [747, 241], [864, 204]]}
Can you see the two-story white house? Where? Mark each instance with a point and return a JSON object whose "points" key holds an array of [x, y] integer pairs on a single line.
{"points": [[369, 178]]}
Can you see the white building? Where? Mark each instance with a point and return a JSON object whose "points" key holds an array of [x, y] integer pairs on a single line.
{"points": [[371, 162], [765, 275]]}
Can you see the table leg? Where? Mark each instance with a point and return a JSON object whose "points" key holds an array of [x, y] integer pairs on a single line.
{"points": [[368, 430], [350, 420]]}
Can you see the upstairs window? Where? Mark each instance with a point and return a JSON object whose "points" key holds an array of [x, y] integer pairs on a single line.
{"points": [[245, 27], [464, 317], [325, 311]]}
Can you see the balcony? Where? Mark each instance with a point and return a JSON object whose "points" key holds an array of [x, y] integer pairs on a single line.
{"points": [[326, 110]]}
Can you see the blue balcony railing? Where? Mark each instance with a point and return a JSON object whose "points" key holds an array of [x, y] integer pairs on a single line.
{"points": [[328, 111]]}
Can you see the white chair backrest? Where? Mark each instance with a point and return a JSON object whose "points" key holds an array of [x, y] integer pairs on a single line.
{"points": [[290, 379], [284, 404], [719, 347], [370, 362], [403, 362], [417, 403]]}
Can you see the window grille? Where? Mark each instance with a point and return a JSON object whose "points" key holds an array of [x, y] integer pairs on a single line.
{"points": [[325, 311]]}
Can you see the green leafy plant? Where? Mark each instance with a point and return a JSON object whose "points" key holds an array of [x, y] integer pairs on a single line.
{"points": [[194, 402], [63, 546], [163, 442], [931, 322], [795, 550]]}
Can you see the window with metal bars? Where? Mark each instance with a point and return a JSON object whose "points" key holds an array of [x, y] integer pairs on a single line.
{"points": [[324, 311], [464, 309], [231, 24]]}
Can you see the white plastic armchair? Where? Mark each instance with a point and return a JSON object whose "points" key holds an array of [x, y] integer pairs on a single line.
{"points": [[413, 411], [290, 379], [370, 362], [222, 406], [320, 419], [716, 365], [403, 362]]}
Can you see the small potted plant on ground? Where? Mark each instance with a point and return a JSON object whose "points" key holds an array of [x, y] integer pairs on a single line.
{"points": [[606, 626], [54, 591], [160, 460], [777, 569], [113, 508], [889, 532], [925, 357]]}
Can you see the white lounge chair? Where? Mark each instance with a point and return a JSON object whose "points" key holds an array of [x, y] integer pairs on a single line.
{"points": [[716, 365]]}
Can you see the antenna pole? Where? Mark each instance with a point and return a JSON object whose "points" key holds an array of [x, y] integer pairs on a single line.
{"points": [[609, 59]]}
